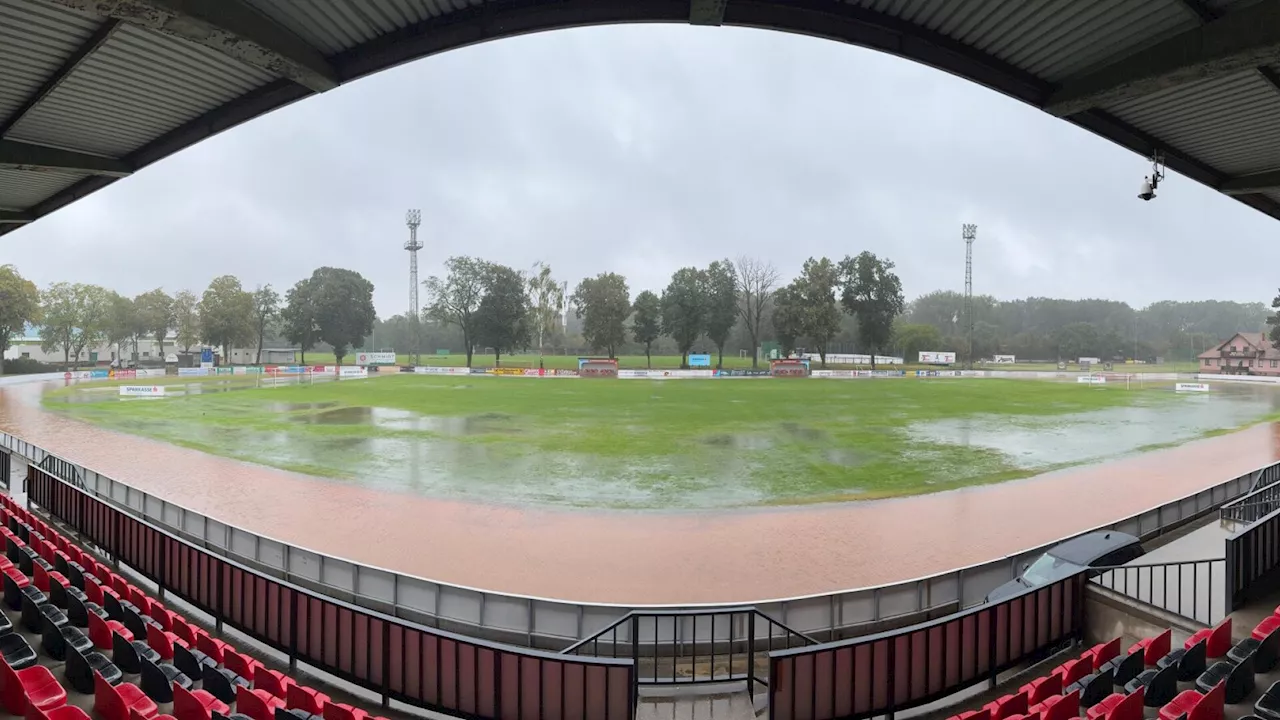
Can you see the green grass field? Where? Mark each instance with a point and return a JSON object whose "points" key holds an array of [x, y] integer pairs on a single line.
{"points": [[684, 444]]}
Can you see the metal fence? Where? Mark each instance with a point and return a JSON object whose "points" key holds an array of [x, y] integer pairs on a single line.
{"points": [[668, 648], [5, 468], [1261, 501], [1194, 589], [879, 675], [426, 668], [1253, 556], [556, 624]]}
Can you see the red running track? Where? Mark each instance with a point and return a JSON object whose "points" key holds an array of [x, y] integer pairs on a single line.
{"points": [[643, 557]]}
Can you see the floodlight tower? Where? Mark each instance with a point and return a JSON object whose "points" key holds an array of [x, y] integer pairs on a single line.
{"points": [[564, 306], [969, 232], [413, 218]]}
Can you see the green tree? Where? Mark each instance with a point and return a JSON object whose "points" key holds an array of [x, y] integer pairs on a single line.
{"points": [[646, 324], [1272, 320], [604, 303], [546, 302], [186, 319], [266, 308], [684, 309], [19, 306], [75, 317], [913, 338], [455, 299], [756, 281], [872, 293], [343, 303], [122, 326], [789, 316], [299, 317], [722, 304], [155, 315], [818, 282], [1077, 340], [226, 315], [502, 320]]}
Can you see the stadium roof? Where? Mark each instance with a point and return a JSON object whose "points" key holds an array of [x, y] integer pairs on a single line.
{"points": [[93, 90]]}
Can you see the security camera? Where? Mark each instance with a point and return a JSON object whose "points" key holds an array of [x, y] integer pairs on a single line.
{"points": [[1146, 192]]}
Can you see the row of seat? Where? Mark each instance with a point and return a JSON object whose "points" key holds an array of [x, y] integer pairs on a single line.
{"points": [[79, 609]]}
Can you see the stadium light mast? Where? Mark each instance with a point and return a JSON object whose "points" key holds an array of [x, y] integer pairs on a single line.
{"points": [[564, 307], [969, 232], [412, 219]]}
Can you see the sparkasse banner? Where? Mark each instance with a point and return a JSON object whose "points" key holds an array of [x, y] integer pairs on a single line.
{"points": [[1004, 359], [141, 391], [376, 358], [937, 358]]}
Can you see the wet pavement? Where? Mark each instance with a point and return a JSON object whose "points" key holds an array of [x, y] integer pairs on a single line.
{"points": [[647, 557]]}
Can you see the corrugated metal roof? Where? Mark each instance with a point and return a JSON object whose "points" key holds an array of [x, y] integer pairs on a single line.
{"points": [[1231, 123], [340, 25], [20, 189], [35, 40], [137, 87]]}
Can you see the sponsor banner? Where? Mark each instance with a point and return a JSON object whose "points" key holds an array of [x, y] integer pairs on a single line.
{"points": [[854, 359], [1270, 379], [566, 373], [506, 371], [1191, 387], [939, 373], [206, 356], [149, 372], [434, 370], [1091, 380], [226, 371], [632, 374], [937, 358], [141, 391], [193, 371], [408, 369], [124, 374], [742, 373], [700, 361], [1089, 360], [352, 372], [1004, 359], [666, 374], [888, 373], [840, 373], [479, 371], [78, 375], [99, 374], [534, 372], [376, 358]]}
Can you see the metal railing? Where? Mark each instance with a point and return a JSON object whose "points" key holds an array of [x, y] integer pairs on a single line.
{"points": [[555, 624], [1253, 558], [1262, 500], [1193, 589], [420, 666], [670, 647], [63, 469], [5, 468]]}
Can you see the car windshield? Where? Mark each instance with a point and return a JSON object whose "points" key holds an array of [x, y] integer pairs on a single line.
{"points": [[1047, 569]]}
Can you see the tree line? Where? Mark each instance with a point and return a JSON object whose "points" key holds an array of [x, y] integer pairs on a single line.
{"points": [[333, 306]]}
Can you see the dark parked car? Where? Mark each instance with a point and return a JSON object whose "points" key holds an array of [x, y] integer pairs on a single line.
{"points": [[1096, 549]]}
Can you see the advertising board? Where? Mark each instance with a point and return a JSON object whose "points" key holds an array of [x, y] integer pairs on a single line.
{"points": [[124, 374], [141, 391], [566, 373], [597, 368], [506, 371], [700, 361], [1004, 359], [226, 371], [1091, 380], [937, 358], [789, 368], [533, 372], [193, 371], [351, 372], [1089, 360], [433, 370], [1190, 387], [375, 358], [854, 359]]}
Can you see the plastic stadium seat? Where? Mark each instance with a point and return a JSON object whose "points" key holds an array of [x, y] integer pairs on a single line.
{"points": [[241, 664], [162, 642], [129, 654], [1265, 651], [1196, 706], [191, 662], [342, 711], [1237, 679], [1040, 689], [1074, 670], [1219, 638], [196, 705], [31, 686], [301, 697], [1159, 685], [35, 610], [43, 579], [158, 680], [1190, 662], [163, 617], [100, 632], [64, 712], [1268, 706], [211, 646], [16, 652], [55, 639], [278, 684], [1094, 688], [1119, 706], [1002, 707], [222, 683], [1059, 707], [82, 668], [78, 611], [257, 704], [115, 702], [140, 601], [1103, 653], [14, 583], [1154, 648]]}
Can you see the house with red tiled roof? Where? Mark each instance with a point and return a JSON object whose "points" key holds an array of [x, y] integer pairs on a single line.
{"points": [[1243, 354]]}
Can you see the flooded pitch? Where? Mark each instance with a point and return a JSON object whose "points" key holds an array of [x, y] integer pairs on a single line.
{"points": [[725, 556]]}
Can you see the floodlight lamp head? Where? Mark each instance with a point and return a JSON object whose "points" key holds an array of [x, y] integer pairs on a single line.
{"points": [[1147, 191], [413, 218]]}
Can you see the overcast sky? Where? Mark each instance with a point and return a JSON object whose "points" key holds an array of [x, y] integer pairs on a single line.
{"points": [[641, 149]]}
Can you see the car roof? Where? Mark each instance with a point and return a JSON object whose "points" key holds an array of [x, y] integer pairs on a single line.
{"points": [[1091, 546]]}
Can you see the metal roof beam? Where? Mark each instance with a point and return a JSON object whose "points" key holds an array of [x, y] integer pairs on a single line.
{"points": [[95, 41], [16, 155], [15, 217], [232, 27], [706, 12], [1253, 183], [1238, 41]]}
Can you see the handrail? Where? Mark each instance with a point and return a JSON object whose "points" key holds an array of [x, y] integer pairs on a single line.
{"points": [[551, 622], [1165, 586], [1266, 490]]}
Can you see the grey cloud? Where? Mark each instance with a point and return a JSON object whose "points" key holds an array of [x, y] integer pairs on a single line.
{"points": [[640, 149]]}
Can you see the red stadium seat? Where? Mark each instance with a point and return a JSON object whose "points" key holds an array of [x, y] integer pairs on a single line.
{"points": [[211, 646], [278, 684], [257, 704], [1059, 707], [301, 697], [184, 631], [135, 715], [119, 701], [196, 704], [1073, 670], [1119, 706], [1209, 706], [342, 711], [100, 632], [1103, 653], [1219, 639], [240, 664], [43, 578], [162, 642], [35, 685], [140, 600], [1264, 628], [1154, 648], [162, 616], [63, 712], [1041, 689], [1008, 705]]}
